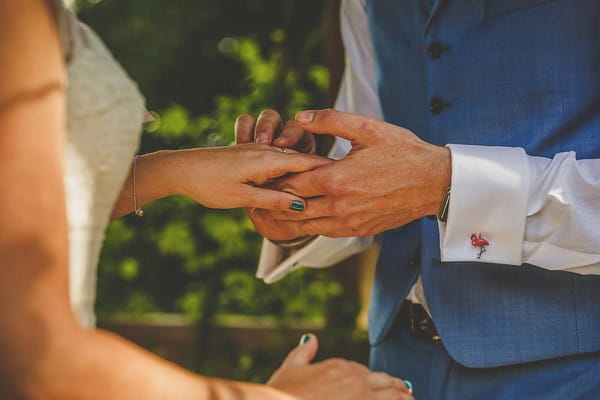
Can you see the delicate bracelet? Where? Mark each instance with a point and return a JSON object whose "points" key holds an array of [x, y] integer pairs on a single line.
{"points": [[293, 243], [442, 214], [138, 211]]}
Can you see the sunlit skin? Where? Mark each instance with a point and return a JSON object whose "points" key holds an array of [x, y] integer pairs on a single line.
{"points": [[45, 353], [390, 177]]}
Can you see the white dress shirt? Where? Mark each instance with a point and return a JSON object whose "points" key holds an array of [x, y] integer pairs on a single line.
{"points": [[541, 211]]}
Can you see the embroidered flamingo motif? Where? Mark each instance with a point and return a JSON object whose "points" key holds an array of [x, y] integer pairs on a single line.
{"points": [[478, 241]]}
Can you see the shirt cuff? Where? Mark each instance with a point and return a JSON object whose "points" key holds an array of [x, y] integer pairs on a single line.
{"points": [[490, 190], [275, 262]]}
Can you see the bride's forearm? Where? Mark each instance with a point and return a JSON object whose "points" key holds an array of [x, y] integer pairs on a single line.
{"points": [[84, 365], [155, 178]]}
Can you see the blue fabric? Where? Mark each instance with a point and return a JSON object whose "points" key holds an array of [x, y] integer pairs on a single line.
{"points": [[436, 376], [522, 73]]}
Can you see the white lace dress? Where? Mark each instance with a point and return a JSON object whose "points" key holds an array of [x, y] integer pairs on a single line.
{"points": [[105, 115]]}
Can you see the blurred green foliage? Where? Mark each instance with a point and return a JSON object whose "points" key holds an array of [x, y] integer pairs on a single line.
{"points": [[201, 64]]}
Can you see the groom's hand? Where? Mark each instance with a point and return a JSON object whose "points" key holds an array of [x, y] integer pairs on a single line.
{"points": [[389, 178], [270, 129]]}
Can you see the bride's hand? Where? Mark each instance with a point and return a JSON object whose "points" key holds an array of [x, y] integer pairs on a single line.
{"points": [[230, 177], [333, 379]]}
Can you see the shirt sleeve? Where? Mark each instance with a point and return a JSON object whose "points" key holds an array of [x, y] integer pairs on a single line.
{"points": [[357, 94], [535, 210]]}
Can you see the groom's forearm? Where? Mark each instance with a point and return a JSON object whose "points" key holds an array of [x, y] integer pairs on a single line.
{"points": [[155, 178]]}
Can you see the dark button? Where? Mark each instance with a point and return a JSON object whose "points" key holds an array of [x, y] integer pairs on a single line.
{"points": [[437, 105], [434, 50]]}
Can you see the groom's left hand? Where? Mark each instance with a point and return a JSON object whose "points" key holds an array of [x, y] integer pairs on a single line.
{"points": [[390, 178]]}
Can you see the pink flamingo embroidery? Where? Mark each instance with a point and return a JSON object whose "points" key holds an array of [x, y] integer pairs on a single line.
{"points": [[478, 241]]}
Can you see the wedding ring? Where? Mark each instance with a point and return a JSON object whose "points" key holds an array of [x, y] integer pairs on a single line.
{"points": [[283, 150]]}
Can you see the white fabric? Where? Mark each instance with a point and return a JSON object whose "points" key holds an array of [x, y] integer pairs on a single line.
{"points": [[531, 209], [489, 197], [535, 210], [104, 120]]}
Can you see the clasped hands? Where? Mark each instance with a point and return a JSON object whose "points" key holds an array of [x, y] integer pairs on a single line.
{"points": [[389, 178]]}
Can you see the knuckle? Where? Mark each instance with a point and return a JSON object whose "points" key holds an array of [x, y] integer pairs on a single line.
{"points": [[337, 208], [308, 227], [367, 125], [331, 185], [327, 114], [278, 203], [336, 363]]}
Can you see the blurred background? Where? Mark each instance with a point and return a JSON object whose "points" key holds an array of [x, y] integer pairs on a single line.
{"points": [[180, 281]]}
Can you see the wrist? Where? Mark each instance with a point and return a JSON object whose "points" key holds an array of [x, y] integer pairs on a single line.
{"points": [[156, 175], [441, 181]]}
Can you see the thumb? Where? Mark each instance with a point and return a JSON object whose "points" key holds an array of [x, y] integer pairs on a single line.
{"points": [[269, 199], [356, 128], [304, 353]]}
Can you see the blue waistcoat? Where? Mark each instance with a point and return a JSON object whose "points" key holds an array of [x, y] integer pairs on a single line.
{"points": [[522, 73]]}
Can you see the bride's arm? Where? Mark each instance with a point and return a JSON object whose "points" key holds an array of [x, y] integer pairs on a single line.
{"points": [[45, 354], [218, 177]]}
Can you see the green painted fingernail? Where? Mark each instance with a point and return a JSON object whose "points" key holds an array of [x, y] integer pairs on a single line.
{"points": [[408, 384], [304, 339], [297, 205]]}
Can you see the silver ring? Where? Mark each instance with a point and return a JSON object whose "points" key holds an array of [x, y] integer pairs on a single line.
{"points": [[283, 150]]}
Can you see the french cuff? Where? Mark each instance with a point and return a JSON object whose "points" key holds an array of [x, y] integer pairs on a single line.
{"points": [[490, 190], [322, 252]]}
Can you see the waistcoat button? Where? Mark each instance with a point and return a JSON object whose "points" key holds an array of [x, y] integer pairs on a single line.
{"points": [[437, 105], [434, 50]]}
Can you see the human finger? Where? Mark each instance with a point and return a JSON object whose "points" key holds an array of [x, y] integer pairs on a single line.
{"points": [[280, 164], [268, 127], [324, 206], [304, 353], [267, 199], [295, 137], [381, 380], [318, 226], [308, 184], [244, 129], [391, 394], [332, 227], [359, 129]]}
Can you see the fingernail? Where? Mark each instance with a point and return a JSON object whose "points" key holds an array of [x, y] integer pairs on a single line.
{"points": [[305, 117], [409, 385], [304, 339], [262, 138], [297, 205]]}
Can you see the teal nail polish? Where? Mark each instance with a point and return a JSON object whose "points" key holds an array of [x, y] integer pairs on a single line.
{"points": [[408, 384], [297, 205], [304, 339]]}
